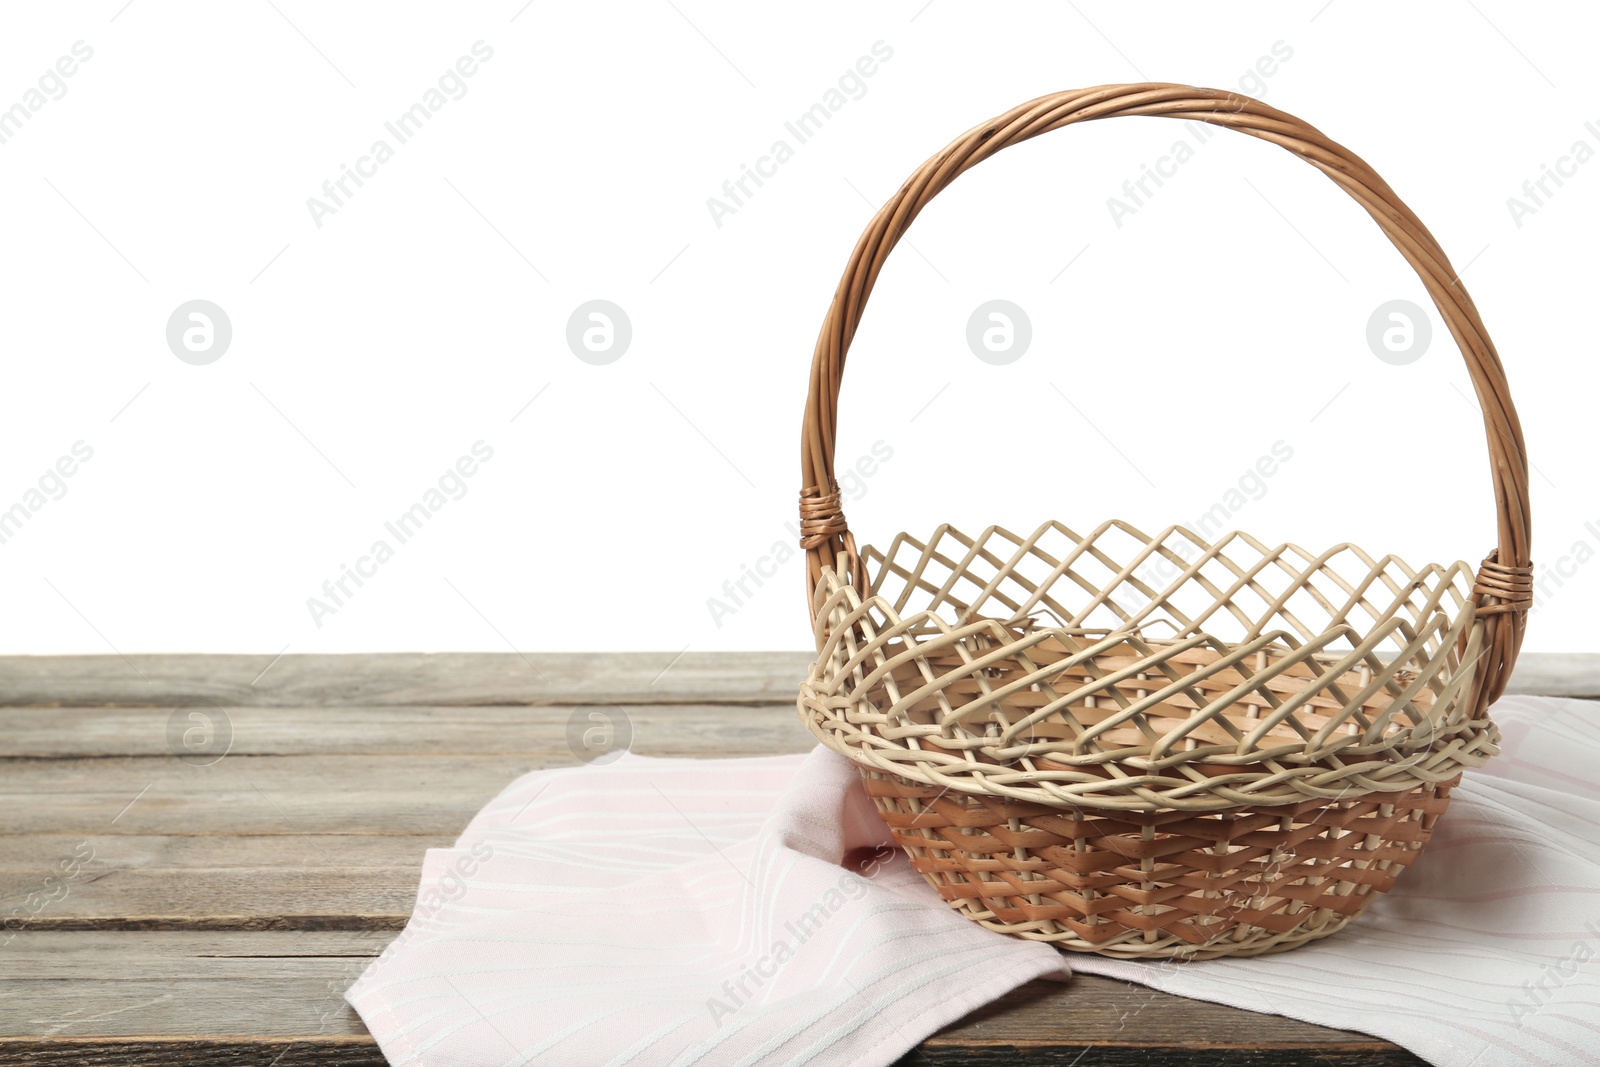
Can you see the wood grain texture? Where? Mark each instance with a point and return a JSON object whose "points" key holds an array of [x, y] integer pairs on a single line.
{"points": [[471, 678], [224, 908], [689, 730], [216, 881], [404, 678], [1557, 674]]}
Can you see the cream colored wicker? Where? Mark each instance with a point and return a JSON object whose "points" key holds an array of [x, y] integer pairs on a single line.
{"points": [[1157, 746]]}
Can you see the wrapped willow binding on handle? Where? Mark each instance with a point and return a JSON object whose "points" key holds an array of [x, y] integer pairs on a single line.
{"points": [[1157, 746]]}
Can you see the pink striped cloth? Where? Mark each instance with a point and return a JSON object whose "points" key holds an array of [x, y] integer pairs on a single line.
{"points": [[656, 912], [1487, 951], [668, 911]]}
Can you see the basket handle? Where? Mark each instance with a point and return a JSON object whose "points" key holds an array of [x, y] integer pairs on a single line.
{"points": [[1504, 584]]}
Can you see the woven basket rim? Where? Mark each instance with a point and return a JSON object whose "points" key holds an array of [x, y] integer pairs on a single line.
{"points": [[1439, 662]]}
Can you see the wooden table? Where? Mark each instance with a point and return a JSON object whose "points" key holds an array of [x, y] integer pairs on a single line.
{"points": [[212, 908]]}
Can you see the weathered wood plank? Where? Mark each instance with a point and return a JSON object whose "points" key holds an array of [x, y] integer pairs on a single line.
{"points": [[297, 795], [405, 793], [305, 814], [162, 1052], [211, 881], [463, 679], [1557, 674], [228, 998], [1110, 1022], [231, 899], [124, 776], [691, 730], [184, 985], [261, 829], [28, 854], [404, 678]]}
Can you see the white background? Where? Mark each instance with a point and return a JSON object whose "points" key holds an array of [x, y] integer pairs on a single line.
{"points": [[1226, 314]]}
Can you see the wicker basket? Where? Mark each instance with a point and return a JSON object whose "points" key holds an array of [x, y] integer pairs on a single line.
{"points": [[1157, 746]]}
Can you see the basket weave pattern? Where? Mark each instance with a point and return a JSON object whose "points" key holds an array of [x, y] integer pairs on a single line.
{"points": [[1157, 745], [1100, 787], [1172, 883], [1325, 686]]}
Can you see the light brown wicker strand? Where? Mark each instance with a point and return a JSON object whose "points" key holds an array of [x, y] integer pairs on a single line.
{"points": [[1299, 874], [1504, 583]]}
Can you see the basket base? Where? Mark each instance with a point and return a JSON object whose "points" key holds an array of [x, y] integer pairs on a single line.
{"points": [[1164, 884]]}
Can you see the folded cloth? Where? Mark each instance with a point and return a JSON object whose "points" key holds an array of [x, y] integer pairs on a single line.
{"points": [[670, 911], [1487, 951], [653, 912]]}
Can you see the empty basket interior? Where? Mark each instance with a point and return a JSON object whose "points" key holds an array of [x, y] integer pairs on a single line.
{"points": [[1155, 651]]}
